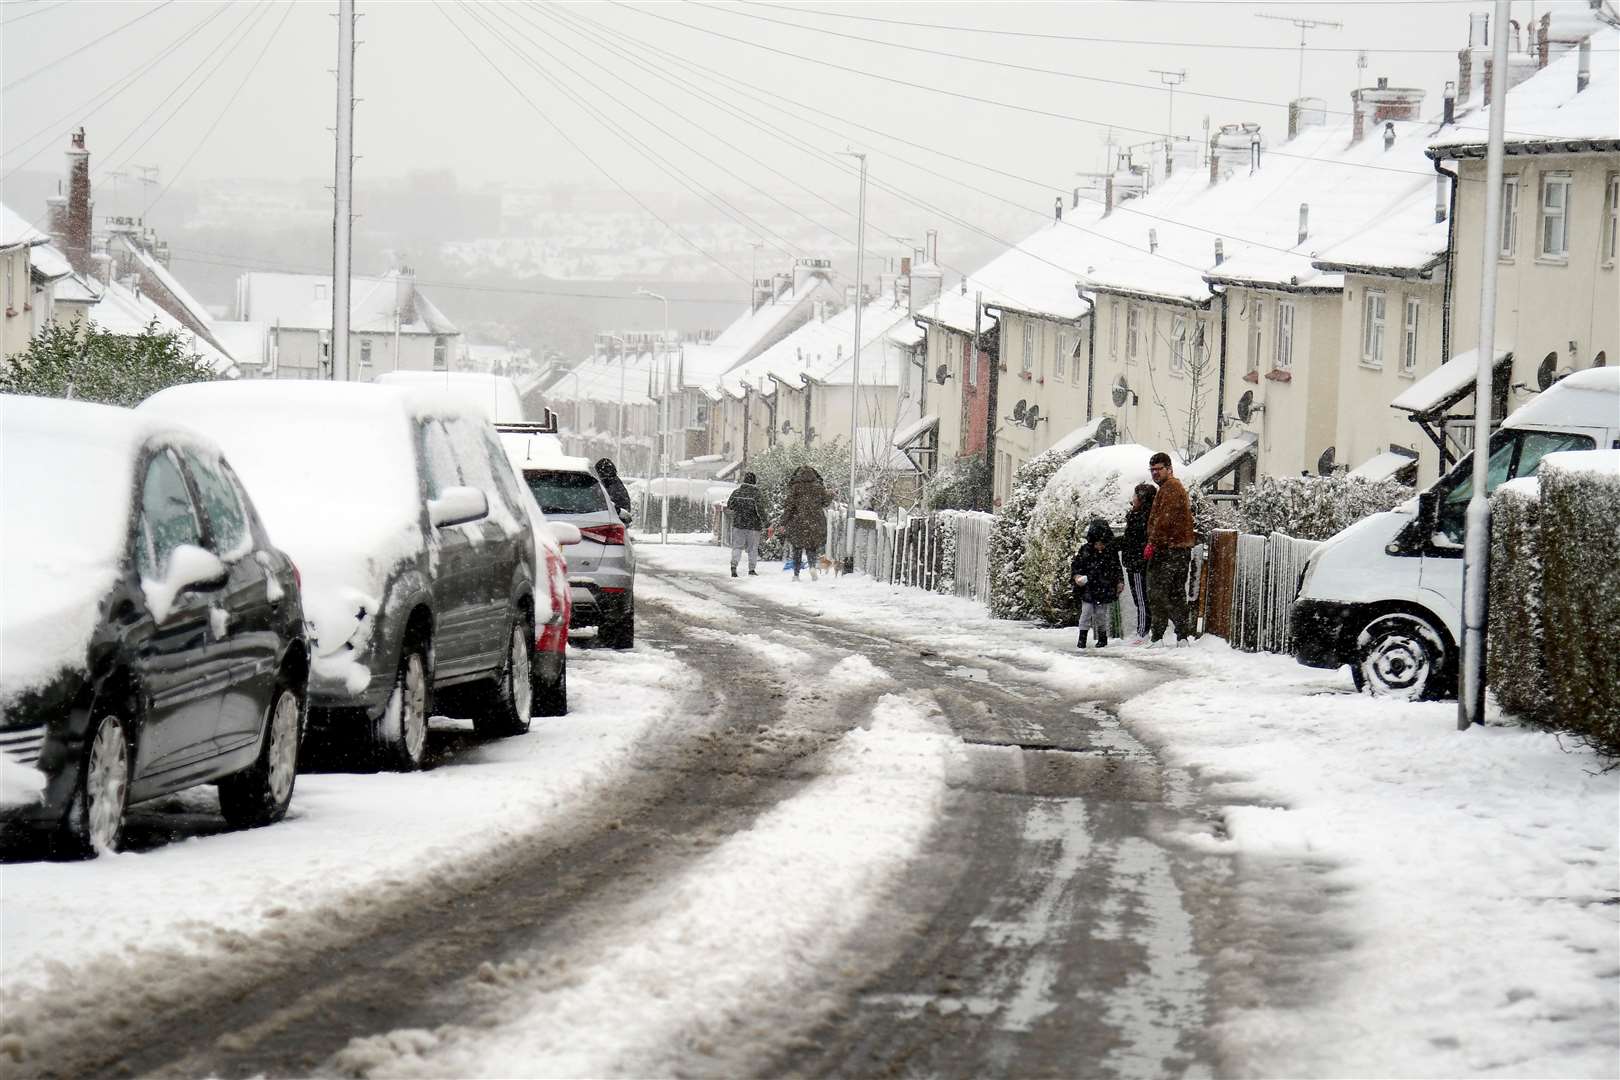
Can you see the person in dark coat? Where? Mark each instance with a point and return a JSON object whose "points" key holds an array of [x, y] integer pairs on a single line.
{"points": [[746, 508], [1098, 580], [608, 473], [804, 521], [1136, 538]]}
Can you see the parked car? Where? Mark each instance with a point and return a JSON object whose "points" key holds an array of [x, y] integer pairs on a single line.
{"points": [[416, 546], [151, 636], [602, 566], [1385, 595]]}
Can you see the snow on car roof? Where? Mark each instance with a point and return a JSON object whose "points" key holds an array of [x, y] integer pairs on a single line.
{"points": [[493, 396]]}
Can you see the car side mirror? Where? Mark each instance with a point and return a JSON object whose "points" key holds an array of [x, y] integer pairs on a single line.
{"points": [[457, 506], [190, 567], [1428, 510], [626, 517], [564, 533]]}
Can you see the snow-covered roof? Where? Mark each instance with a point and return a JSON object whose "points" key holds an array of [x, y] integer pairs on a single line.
{"points": [[1214, 463], [914, 431], [48, 262], [1406, 242], [493, 396], [1545, 112], [1446, 384], [1383, 465], [304, 302], [120, 310], [15, 229], [247, 342], [599, 377], [821, 349]]}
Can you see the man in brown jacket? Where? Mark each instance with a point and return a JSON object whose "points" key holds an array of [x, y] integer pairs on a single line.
{"points": [[1169, 552]]}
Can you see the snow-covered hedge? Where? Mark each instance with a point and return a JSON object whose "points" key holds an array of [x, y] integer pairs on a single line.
{"points": [[1095, 484], [1515, 662], [1314, 507], [1008, 596], [1580, 556]]}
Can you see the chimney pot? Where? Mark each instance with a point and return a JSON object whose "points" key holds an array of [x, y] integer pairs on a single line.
{"points": [[1450, 116], [1153, 240], [1383, 82], [1057, 208], [1108, 195], [1304, 221], [1220, 252], [1389, 134], [1583, 74]]}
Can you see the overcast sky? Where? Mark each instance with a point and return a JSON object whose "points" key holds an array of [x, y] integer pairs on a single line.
{"points": [[243, 89]]}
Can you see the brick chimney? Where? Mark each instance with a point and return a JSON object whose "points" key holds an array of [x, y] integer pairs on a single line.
{"points": [[1382, 103], [75, 237]]}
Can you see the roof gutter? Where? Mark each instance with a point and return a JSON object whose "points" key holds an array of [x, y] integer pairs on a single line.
{"points": [[1293, 288], [1151, 297], [1524, 148], [1423, 273]]}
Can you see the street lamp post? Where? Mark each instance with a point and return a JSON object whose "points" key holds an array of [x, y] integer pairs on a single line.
{"points": [[855, 368], [663, 414]]}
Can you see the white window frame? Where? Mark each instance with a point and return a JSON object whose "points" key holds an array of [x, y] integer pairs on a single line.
{"points": [[441, 353], [1283, 353], [1028, 359], [365, 352], [1549, 215], [968, 361], [1374, 326], [1133, 332], [1060, 356], [11, 287], [1113, 329], [1611, 242], [1508, 244], [1410, 341], [1257, 331], [1178, 345]]}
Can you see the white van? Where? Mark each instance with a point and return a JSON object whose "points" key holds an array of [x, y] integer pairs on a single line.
{"points": [[1385, 595]]}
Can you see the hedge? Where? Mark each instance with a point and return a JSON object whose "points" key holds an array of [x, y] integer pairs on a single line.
{"points": [[1516, 667]]}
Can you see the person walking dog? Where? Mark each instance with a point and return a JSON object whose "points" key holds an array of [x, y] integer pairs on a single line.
{"points": [[804, 520], [1098, 580], [1168, 552], [747, 510]]}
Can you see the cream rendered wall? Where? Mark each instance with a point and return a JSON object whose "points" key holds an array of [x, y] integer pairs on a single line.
{"points": [[16, 318], [1543, 304], [1300, 419], [1156, 413], [1366, 424], [299, 353], [1061, 398], [945, 400]]}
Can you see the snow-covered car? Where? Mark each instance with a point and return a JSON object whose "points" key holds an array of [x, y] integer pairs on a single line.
{"points": [[151, 637], [602, 566], [414, 539]]}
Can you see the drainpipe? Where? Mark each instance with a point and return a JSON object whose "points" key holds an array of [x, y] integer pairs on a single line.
{"points": [[1445, 302], [1220, 370], [748, 401], [992, 395], [1091, 349]]}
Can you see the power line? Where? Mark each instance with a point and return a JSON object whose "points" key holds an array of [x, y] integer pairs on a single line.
{"points": [[36, 11], [175, 175], [19, 80], [964, 96], [579, 149], [1088, 38]]}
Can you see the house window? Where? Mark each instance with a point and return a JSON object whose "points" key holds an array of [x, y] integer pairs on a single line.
{"points": [[1372, 328], [968, 365], [1510, 217], [1029, 345], [1555, 189], [1059, 356], [1257, 325], [10, 285], [703, 413], [1409, 337], [1178, 345], [1612, 225], [1133, 330], [440, 348], [320, 292], [1284, 357], [365, 352], [1113, 329]]}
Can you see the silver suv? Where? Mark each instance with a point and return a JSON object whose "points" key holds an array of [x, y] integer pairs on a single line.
{"points": [[602, 566]]}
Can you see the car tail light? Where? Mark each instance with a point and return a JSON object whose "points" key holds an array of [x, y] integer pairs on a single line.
{"points": [[298, 579], [603, 534]]}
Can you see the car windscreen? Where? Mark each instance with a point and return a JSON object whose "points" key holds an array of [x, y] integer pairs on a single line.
{"points": [[566, 492]]}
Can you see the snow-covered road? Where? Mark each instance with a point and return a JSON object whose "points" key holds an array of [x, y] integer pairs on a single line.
{"points": [[835, 827]]}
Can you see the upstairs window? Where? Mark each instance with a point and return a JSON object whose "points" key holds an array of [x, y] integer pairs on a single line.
{"points": [[1133, 332], [1113, 329], [1611, 228], [1372, 328], [1284, 357], [1257, 325], [1409, 336], [968, 364], [1555, 190], [441, 348], [1178, 345], [1060, 356], [1510, 217], [365, 352], [1030, 330]]}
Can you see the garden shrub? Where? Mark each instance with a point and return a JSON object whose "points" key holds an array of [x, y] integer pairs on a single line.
{"points": [[1008, 596], [961, 484], [1314, 507], [1095, 484], [1515, 662]]}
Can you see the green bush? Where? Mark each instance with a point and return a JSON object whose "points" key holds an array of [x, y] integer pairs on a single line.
{"points": [[1515, 661], [1314, 507], [101, 366], [1580, 557], [1009, 596], [961, 484]]}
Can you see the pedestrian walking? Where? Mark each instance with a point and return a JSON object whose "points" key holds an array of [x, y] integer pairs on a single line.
{"points": [[746, 508], [804, 519], [1136, 539], [1098, 579], [608, 473], [1168, 552]]}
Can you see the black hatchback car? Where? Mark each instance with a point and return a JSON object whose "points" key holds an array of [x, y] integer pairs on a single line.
{"points": [[151, 638]]}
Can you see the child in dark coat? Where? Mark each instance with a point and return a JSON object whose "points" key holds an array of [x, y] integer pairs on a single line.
{"points": [[1098, 579]]}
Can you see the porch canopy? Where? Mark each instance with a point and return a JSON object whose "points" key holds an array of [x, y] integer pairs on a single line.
{"points": [[1208, 468], [918, 441], [1431, 399], [1098, 431], [1387, 465], [729, 471], [907, 436]]}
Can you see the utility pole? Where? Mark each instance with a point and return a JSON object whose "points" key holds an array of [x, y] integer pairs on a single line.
{"points": [[343, 193], [1304, 25], [1477, 518], [664, 419], [1170, 79], [855, 370]]}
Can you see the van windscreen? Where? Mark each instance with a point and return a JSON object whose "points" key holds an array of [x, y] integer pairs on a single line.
{"points": [[566, 492]]}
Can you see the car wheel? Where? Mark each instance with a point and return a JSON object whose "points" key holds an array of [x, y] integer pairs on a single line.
{"points": [[95, 818], [620, 634], [259, 795], [551, 696], [1400, 655], [400, 733], [507, 710]]}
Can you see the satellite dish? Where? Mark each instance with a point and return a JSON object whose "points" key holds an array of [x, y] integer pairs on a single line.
{"points": [[1324, 464], [942, 373], [1020, 409], [1246, 408], [1122, 390], [787, 427], [1107, 432], [1547, 373], [726, 449], [1033, 417]]}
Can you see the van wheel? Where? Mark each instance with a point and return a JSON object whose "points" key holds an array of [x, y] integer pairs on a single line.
{"points": [[507, 707], [1400, 655], [259, 795], [399, 734], [95, 818]]}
